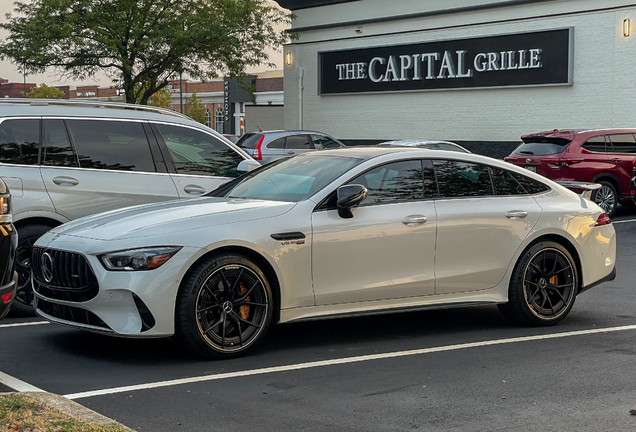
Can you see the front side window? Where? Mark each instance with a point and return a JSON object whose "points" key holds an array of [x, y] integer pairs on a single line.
{"points": [[20, 141], [623, 143], [111, 145], [57, 145], [322, 142], [462, 179], [298, 142], [392, 183], [595, 144], [195, 152]]}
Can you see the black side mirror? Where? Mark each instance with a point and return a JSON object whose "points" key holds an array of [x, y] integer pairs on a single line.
{"points": [[350, 196]]}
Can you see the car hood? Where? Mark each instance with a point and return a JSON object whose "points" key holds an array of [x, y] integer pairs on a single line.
{"points": [[171, 217]]}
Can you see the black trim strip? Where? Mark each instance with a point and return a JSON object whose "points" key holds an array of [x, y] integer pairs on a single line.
{"points": [[288, 236], [609, 277]]}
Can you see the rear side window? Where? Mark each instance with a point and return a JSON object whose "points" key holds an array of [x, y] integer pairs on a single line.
{"points": [[198, 153], [249, 140], [57, 145], [505, 183], [623, 143], [111, 145], [277, 144], [542, 146], [531, 186], [595, 144], [322, 142], [462, 179], [20, 141], [298, 142]]}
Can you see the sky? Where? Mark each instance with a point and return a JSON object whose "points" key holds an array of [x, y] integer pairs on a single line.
{"points": [[10, 71]]}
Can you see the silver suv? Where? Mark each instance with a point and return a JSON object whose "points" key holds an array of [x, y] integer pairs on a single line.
{"points": [[66, 160], [267, 147]]}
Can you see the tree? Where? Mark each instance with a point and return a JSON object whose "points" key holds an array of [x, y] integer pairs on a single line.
{"points": [[162, 98], [141, 44], [195, 109], [45, 92]]}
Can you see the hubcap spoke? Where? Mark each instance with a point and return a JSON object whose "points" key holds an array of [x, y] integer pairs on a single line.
{"points": [[245, 321], [246, 303], [246, 295], [238, 326], [550, 302]]}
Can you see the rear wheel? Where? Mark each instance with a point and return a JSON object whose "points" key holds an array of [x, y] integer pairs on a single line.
{"points": [[543, 286], [224, 307], [27, 236], [606, 197]]}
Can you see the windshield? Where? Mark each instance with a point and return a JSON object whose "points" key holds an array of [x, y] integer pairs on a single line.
{"points": [[293, 179], [542, 146], [249, 140]]}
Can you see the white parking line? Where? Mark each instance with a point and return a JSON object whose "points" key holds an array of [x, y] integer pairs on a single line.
{"points": [[624, 221], [340, 361], [23, 324], [17, 384]]}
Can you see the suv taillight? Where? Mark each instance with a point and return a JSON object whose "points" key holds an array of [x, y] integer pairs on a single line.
{"points": [[634, 167], [256, 154], [603, 219], [563, 161]]}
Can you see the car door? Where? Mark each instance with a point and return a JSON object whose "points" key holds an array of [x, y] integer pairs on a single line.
{"points": [[199, 161], [274, 150], [91, 166], [621, 155], [387, 250], [480, 225]]}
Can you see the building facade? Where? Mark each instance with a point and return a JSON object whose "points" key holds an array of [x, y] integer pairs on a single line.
{"points": [[480, 72]]}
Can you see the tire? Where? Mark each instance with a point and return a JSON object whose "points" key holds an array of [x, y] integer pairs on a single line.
{"points": [[27, 235], [216, 322], [543, 286], [606, 197]]}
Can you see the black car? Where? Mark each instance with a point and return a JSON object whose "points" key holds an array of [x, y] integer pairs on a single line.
{"points": [[8, 244]]}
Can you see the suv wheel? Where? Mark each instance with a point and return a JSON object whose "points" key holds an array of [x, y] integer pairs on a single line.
{"points": [[606, 197], [27, 236]]}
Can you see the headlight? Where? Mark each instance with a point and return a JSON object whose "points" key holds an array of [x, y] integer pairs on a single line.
{"points": [[138, 259], [5, 204]]}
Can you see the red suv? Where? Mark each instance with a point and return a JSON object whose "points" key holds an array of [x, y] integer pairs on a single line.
{"points": [[604, 156]]}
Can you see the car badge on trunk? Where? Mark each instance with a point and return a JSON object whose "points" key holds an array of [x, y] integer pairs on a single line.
{"points": [[47, 267], [528, 160]]}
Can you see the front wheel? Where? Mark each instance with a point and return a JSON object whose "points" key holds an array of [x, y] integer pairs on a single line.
{"points": [[224, 307], [543, 286]]}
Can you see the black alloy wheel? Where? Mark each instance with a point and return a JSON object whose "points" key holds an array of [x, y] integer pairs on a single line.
{"points": [[224, 307], [543, 286], [27, 236], [606, 197]]}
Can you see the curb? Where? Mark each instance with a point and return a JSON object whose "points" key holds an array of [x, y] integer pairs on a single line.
{"points": [[71, 408]]}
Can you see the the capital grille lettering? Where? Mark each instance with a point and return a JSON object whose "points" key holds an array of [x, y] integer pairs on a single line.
{"points": [[538, 58]]}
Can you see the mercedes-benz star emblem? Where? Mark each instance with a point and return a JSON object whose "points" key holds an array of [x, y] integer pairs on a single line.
{"points": [[528, 160], [47, 267]]}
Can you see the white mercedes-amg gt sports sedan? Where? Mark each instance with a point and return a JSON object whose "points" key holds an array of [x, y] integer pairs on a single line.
{"points": [[323, 235]]}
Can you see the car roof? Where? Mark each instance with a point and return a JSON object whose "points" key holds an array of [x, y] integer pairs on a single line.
{"points": [[288, 132], [570, 133]]}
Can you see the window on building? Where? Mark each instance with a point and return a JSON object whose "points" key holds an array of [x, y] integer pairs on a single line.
{"points": [[208, 118], [218, 120]]}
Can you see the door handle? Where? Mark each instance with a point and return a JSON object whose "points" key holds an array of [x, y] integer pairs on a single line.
{"points": [[414, 220], [65, 181], [194, 190], [617, 160], [290, 152], [516, 214]]}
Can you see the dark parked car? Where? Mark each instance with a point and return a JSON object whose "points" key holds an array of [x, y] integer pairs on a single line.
{"points": [[8, 244], [604, 156], [269, 146]]}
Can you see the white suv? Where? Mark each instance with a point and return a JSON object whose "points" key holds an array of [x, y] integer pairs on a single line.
{"points": [[64, 160]]}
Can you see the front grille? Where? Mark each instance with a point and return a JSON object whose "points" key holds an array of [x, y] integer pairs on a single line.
{"points": [[70, 313], [71, 277]]}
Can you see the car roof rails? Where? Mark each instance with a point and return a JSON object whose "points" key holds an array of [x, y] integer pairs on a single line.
{"points": [[91, 104]]}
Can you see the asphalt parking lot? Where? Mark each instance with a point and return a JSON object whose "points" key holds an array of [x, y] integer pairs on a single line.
{"points": [[462, 369]]}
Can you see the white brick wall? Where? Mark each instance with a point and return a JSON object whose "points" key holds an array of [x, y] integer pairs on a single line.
{"points": [[603, 94]]}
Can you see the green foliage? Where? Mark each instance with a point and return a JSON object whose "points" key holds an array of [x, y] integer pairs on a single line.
{"points": [[142, 41], [195, 109], [161, 98], [45, 92]]}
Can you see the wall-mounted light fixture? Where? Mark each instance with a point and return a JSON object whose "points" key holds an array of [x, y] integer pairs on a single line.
{"points": [[288, 58], [626, 28]]}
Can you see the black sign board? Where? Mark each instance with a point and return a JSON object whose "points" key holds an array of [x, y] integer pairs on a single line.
{"points": [[522, 59]]}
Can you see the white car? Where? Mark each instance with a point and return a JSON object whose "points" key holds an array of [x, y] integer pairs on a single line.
{"points": [[437, 145], [327, 234]]}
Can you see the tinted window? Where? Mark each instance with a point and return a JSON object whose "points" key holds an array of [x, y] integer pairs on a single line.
{"points": [[542, 146], [111, 145], [20, 141], [396, 182], [195, 152], [531, 186], [249, 140], [298, 142], [277, 144], [623, 143], [460, 179], [57, 146], [505, 183], [595, 144], [322, 142]]}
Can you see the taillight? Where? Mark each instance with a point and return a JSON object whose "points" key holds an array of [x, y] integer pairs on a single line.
{"points": [[603, 219], [562, 162], [634, 167], [6, 298], [256, 154]]}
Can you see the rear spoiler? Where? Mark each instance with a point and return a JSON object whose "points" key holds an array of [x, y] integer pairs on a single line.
{"points": [[588, 188]]}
